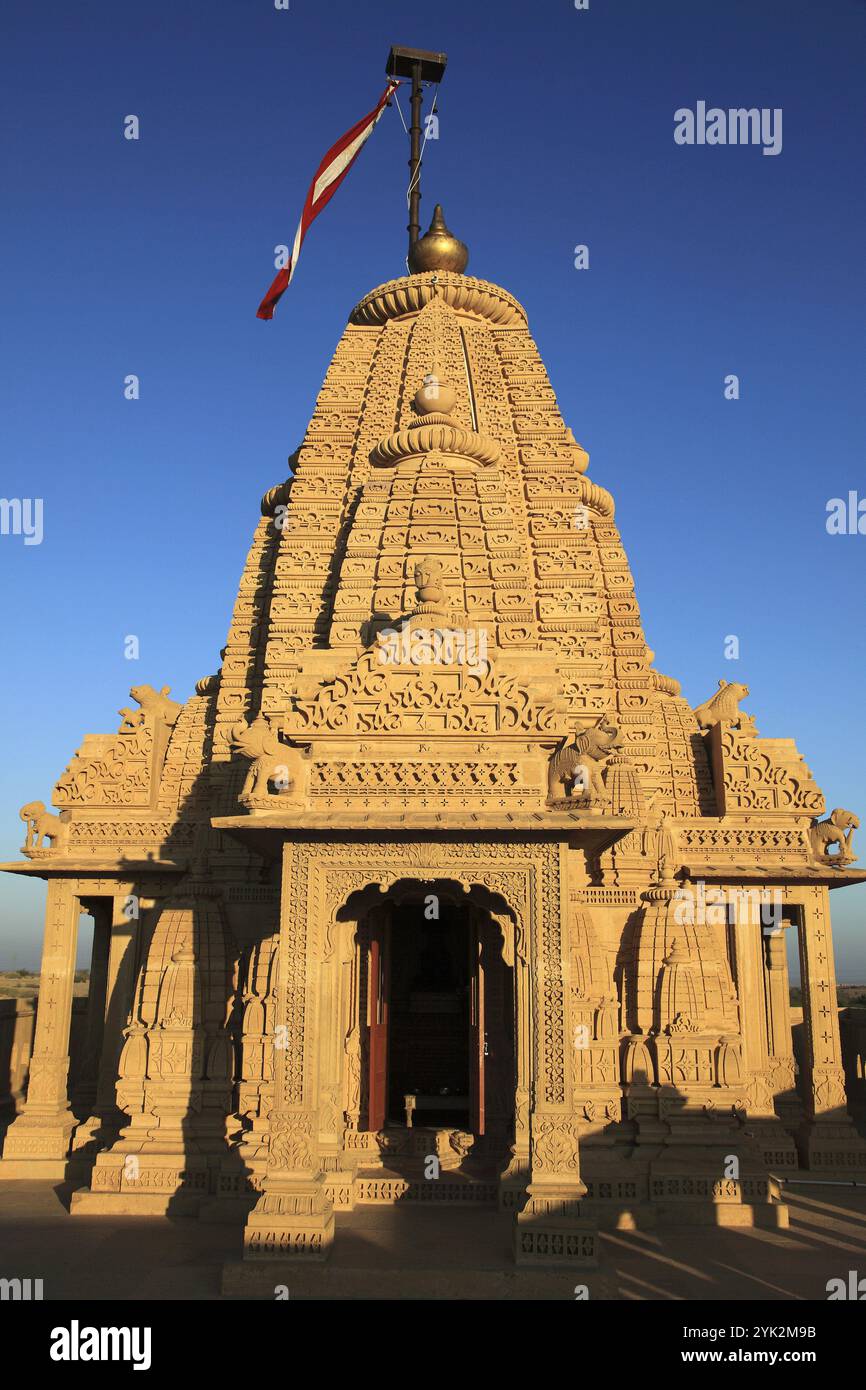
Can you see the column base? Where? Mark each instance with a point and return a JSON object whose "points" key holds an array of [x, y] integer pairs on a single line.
{"points": [[550, 1230], [832, 1146], [294, 1222], [774, 1141], [33, 1169], [86, 1202], [37, 1146], [146, 1184]]}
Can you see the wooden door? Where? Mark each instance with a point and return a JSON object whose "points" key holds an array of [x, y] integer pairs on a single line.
{"points": [[378, 972]]}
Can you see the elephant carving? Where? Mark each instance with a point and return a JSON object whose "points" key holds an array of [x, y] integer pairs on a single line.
{"points": [[838, 829], [43, 825], [576, 764]]}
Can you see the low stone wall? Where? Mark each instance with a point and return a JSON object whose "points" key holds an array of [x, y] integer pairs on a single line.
{"points": [[17, 1025]]}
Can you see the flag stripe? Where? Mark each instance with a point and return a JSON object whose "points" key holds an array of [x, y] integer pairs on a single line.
{"points": [[326, 180]]}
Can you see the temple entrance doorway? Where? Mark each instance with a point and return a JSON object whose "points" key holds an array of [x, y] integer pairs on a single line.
{"points": [[440, 1028], [430, 1018]]}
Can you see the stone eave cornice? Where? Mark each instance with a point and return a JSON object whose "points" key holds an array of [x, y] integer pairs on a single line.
{"points": [[58, 866], [411, 293], [265, 831], [776, 874]]}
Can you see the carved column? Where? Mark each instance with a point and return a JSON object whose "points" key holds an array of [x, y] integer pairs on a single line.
{"points": [[749, 971], [780, 1041], [175, 1068], [255, 1082], [550, 1229], [293, 1218], [515, 1179], [827, 1138], [338, 1011], [38, 1141], [84, 1090], [120, 984], [761, 1019]]}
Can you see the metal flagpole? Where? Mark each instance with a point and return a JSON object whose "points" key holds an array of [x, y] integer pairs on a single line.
{"points": [[419, 66]]}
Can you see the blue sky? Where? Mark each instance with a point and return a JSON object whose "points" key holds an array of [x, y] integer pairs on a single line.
{"points": [[150, 257]]}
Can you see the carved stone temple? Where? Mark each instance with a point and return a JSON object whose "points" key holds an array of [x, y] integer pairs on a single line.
{"points": [[437, 890]]}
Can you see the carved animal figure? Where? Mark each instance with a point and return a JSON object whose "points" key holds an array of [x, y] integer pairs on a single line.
{"points": [[577, 762], [154, 702], [272, 761], [838, 829], [42, 825], [722, 708]]}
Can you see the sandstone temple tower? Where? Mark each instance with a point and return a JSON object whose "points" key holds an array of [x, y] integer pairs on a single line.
{"points": [[437, 890]]}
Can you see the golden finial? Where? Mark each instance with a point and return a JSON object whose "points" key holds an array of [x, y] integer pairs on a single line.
{"points": [[438, 249]]}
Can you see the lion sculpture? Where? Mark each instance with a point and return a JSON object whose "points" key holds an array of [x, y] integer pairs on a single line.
{"points": [[154, 704], [577, 762], [723, 707]]}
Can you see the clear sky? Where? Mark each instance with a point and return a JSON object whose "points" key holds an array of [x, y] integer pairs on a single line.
{"points": [[557, 129]]}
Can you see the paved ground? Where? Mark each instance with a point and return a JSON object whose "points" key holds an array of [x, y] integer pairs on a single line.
{"points": [[397, 1251]]}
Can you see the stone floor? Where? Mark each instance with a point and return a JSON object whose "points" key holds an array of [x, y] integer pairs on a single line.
{"points": [[406, 1251]]}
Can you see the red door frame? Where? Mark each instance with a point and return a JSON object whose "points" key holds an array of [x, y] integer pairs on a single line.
{"points": [[379, 983]]}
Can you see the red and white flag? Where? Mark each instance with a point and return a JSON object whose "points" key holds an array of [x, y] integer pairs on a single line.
{"points": [[326, 180]]}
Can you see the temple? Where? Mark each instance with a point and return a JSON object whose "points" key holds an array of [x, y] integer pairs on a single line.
{"points": [[437, 890]]}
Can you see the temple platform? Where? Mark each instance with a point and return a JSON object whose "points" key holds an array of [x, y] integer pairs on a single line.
{"points": [[408, 1252]]}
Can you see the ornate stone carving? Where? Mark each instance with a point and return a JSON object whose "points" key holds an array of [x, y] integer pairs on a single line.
{"points": [[43, 825], [273, 764], [758, 774], [373, 698], [123, 769], [723, 707], [154, 706], [576, 765], [838, 829]]}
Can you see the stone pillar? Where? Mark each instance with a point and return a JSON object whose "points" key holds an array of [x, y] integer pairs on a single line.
{"points": [[120, 983], [550, 1229], [37, 1143], [175, 1068], [84, 1090], [827, 1139], [749, 972], [515, 1178], [116, 922], [780, 1042], [761, 1019], [294, 1218]]}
